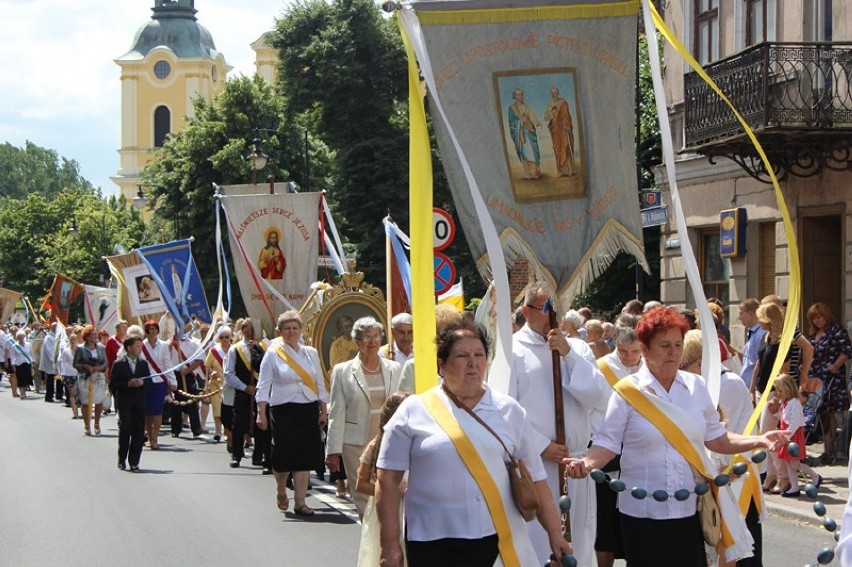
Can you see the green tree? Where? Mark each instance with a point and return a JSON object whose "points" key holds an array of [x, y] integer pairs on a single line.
{"points": [[342, 72], [212, 148], [33, 169], [35, 242]]}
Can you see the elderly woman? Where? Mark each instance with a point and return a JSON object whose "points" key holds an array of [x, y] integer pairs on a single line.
{"points": [[359, 387], [21, 356], [158, 356], [831, 351], [451, 515], [291, 399], [666, 533], [91, 363], [65, 368], [572, 321]]}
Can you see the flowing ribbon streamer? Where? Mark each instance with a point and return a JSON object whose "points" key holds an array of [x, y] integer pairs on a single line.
{"points": [[338, 253], [180, 321], [420, 202], [794, 299], [393, 231]]}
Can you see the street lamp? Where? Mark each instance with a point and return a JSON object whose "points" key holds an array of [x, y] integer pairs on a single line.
{"points": [[139, 201], [257, 159], [73, 231]]}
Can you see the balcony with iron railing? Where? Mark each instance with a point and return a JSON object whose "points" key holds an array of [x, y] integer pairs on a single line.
{"points": [[797, 97]]}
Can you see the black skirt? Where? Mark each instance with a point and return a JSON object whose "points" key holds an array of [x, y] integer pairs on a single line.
{"points": [[24, 374], [663, 543], [296, 441]]}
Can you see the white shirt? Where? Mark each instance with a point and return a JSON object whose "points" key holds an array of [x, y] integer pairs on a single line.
{"points": [[621, 371], [792, 415], [398, 355], [442, 499], [18, 357], [46, 363], [189, 348], [750, 352], [231, 378], [647, 459], [65, 363], [279, 384], [162, 357], [735, 401]]}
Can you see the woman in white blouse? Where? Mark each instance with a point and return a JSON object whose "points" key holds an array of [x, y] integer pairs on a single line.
{"points": [[291, 399], [456, 515], [65, 368], [662, 533]]}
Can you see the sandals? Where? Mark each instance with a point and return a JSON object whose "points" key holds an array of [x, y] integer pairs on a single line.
{"points": [[87, 433], [283, 502], [303, 510], [97, 431]]}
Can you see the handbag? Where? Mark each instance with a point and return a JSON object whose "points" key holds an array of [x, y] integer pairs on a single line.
{"points": [[709, 514], [523, 486]]}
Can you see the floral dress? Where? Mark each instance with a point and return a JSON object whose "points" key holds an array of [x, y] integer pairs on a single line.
{"points": [[833, 343]]}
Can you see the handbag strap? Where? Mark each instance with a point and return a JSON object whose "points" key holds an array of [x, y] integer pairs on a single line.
{"points": [[455, 399]]}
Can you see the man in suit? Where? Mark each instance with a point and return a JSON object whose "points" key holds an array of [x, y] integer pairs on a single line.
{"points": [[241, 368], [358, 390], [126, 381]]}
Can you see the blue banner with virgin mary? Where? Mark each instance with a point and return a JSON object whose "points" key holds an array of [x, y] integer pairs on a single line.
{"points": [[173, 269]]}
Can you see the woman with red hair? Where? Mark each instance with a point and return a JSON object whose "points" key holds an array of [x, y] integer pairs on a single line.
{"points": [[832, 349], [158, 356], [90, 362], [666, 531]]}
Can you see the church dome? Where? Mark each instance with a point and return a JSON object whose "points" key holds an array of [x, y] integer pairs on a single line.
{"points": [[174, 26]]}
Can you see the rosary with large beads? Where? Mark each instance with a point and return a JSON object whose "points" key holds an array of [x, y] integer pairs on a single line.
{"points": [[824, 557]]}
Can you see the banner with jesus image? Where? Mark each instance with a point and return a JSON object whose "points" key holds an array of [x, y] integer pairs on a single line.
{"points": [[275, 245]]}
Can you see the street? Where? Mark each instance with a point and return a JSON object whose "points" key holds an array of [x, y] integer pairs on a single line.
{"points": [[66, 503]]}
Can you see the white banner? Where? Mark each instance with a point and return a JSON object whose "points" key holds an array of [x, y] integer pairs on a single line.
{"points": [[275, 246], [100, 307]]}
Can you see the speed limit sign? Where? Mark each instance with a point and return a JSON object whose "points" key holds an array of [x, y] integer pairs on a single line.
{"points": [[443, 229]]}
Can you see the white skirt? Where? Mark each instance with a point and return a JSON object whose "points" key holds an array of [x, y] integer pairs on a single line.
{"points": [[94, 384]]}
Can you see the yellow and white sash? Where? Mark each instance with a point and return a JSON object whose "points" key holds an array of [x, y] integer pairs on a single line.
{"points": [[465, 433], [297, 368], [674, 424]]}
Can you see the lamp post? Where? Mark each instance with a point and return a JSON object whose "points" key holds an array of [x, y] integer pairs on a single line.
{"points": [[259, 160]]}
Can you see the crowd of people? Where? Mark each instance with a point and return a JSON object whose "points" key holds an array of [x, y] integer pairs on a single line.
{"points": [[427, 473]]}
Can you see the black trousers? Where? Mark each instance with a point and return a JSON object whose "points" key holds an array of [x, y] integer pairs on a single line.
{"points": [[131, 428], [453, 552], [262, 455], [663, 543], [241, 423], [177, 418], [754, 526], [51, 389]]}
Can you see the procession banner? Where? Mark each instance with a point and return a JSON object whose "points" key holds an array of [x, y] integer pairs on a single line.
{"points": [[173, 268], [534, 109], [62, 294], [275, 245], [100, 306], [8, 300], [139, 295]]}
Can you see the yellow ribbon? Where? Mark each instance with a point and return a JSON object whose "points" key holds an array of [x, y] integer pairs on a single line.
{"points": [[420, 219], [673, 434], [794, 299], [479, 472], [303, 374]]}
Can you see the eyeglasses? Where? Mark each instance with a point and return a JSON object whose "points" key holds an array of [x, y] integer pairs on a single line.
{"points": [[370, 339], [536, 308]]}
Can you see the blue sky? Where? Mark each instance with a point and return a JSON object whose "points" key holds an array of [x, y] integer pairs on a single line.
{"points": [[59, 86]]}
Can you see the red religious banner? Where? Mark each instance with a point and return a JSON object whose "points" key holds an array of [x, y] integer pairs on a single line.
{"points": [[62, 294]]}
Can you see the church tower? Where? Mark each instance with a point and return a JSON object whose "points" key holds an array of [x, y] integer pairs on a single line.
{"points": [[172, 60]]}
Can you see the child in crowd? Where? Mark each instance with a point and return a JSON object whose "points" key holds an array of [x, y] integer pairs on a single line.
{"points": [[368, 554], [792, 420]]}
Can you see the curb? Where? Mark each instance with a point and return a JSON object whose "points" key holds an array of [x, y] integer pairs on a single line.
{"points": [[791, 513]]}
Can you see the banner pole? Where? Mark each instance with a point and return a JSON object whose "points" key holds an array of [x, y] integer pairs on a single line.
{"points": [[388, 278]]}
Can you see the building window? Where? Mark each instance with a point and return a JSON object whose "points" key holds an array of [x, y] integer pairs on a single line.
{"points": [[766, 266], [162, 125], [715, 270], [706, 30], [214, 72], [756, 11], [162, 69]]}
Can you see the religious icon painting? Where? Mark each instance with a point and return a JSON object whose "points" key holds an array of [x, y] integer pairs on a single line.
{"points": [[542, 133]]}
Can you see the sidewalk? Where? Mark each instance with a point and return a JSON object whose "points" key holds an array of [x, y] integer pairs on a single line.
{"points": [[833, 492]]}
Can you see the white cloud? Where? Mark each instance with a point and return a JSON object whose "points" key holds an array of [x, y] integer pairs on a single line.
{"points": [[60, 87]]}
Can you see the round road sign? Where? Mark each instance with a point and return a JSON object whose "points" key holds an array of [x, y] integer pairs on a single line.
{"points": [[443, 229], [445, 273]]}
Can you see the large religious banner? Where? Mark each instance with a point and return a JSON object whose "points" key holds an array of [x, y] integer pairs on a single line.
{"points": [[275, 245], [100, 307], [534, 108], [62, 294], [8, 300]]}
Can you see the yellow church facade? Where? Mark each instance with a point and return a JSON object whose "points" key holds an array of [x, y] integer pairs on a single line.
{"points": [[172, 60]]}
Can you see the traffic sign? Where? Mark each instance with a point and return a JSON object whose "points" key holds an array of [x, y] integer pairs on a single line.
{"points": [[654, 216], [445, 273], [443, 229]]}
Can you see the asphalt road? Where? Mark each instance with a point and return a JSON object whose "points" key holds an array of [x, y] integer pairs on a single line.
{"points": [[64, 502]]}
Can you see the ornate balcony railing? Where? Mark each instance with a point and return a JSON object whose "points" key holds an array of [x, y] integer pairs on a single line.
{"points": [[797, 97]]}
